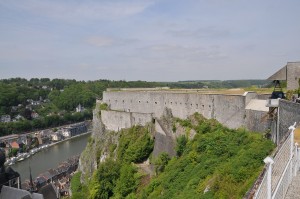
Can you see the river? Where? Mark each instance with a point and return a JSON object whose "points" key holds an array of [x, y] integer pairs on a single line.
{"points": [[51, 157]]}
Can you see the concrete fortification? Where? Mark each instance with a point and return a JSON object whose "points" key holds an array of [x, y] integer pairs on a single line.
{"points": [[159, 109], [128, 108]]}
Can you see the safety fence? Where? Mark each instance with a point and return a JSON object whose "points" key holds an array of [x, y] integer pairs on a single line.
{"points": [[279, 170]]}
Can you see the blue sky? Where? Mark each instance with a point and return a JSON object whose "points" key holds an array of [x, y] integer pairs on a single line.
{"points": [[152, 40]]}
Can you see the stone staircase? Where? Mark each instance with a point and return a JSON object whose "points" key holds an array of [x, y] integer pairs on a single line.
{"points": [[293, 191]]}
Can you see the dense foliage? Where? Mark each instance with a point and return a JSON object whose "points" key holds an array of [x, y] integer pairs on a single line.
{"points": [[220, 161], [135, 145], [118, 177], [67, 94], [75, 181], [43, 122], [217, 163], [57, 100]]}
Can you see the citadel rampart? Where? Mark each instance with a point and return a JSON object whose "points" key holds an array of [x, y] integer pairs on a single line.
{"points": [[117, 120], [131, 107], [230, 110]]}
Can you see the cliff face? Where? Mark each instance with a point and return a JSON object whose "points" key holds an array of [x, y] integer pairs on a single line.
{"points": [[203, 149], [103, 141], [98, 146]]}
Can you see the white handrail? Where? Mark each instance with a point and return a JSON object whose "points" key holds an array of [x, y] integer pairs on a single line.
{"points": [[277, 178]]}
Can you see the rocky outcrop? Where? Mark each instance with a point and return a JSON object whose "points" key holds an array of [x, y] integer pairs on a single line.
{"points": [[103, 142], [98, 146], [167, 130]]}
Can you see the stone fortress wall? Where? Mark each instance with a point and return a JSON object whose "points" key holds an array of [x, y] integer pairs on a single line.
{"points": [[117, 120], [128, 108], [289, 112], [293, 74]]}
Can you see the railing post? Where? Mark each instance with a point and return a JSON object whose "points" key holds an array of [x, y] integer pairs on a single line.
{"points": [[292, 128], [269, 161], [296, 159], [19, 183]]}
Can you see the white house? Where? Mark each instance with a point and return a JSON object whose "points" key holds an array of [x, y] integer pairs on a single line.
{"points": [[79, 108], [66, 132], [56, 136]]}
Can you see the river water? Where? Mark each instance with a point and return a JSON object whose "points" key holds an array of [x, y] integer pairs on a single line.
{"points": [[51, 157]]}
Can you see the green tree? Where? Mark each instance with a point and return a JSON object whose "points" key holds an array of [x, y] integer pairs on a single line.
{"points": [[161, 162], [127, 182], [181, 144], [104, 180]]}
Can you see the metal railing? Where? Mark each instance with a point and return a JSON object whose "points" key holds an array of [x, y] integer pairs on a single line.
{"points": [[15, 182], [280, 170]]}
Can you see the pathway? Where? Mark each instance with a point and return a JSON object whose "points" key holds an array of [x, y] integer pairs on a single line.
{"points": [[294, 188]]}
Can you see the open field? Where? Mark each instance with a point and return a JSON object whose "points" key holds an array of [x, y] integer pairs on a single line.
{"points": [[233, 91]]}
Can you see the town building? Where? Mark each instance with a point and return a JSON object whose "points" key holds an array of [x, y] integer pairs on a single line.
{"points": [[56, 136], [75, 129]]}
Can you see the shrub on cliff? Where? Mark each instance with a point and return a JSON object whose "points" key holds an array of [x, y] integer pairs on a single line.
{"points": [[135, 145], [103, 106], [222, 161], [127, 182], [117, 177], [104, 180], [217, 163], [181, 144]]}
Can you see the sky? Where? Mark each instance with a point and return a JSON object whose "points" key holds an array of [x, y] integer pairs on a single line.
{"points": [[151, 40]]}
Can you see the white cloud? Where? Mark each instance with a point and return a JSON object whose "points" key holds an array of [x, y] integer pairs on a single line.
{"points": [[204, 32], [103, 41], [176, 52], [100, 41]]}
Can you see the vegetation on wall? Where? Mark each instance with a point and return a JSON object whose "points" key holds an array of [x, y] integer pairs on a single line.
{"points": [[117, 176], [135, 145], [217, 163]]}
